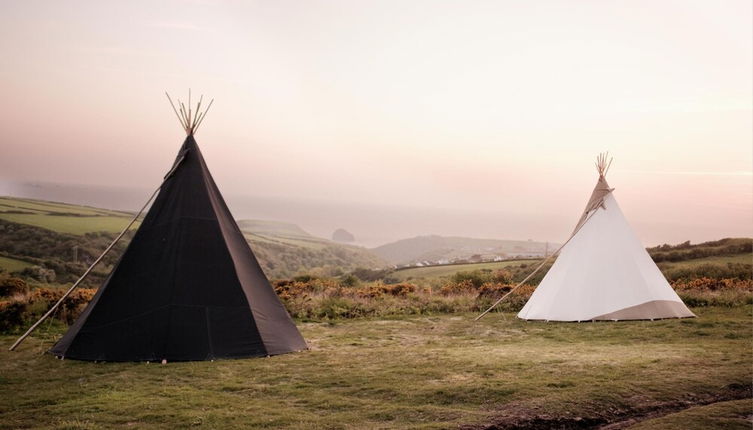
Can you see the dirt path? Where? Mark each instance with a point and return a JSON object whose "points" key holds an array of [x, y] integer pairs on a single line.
{"points": [[606, 418]]}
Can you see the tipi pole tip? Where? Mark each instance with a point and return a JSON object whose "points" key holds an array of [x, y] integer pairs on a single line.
{"points": [[602, 164], [175, 110], [189, 117]]}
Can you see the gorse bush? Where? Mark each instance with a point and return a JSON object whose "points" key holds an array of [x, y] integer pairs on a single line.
{"points": [[379, 290], [706, 291], [686, 251], [11, 286], [477, 278], [711, 284], [325, 299], [739, 271], [310, 298], [25, 306]]}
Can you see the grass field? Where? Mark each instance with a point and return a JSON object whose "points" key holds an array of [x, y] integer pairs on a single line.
{"points": [[13, 265], [721, 259], [61, 217], [265, 231], [302, 242], [435, 272], [410, 372], [41, 206]]}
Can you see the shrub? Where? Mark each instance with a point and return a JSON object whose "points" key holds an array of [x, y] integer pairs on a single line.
{"points": [[378, 290], [349, 281], [464, 286], [42, 299], [494, 289], [12, 314], [10, 286], [477, 277], [39, 273], [711, 284], [708, 270], [370, 275]]}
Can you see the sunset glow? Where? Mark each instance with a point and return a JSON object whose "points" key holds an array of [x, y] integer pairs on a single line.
{"points": [[483, 113]]}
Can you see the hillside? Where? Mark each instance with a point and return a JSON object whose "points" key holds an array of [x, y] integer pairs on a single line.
{"points": [[55, 242], [285, 250], [724, 258], [441, 249], [272, 228], [51, 242], [62, 217]]}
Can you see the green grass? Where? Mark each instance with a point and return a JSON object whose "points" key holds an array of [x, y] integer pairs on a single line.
{"points": [[411, 372], [282, 233], [41, 206], [13, 265], [720, 259], [61, 217], [273, 228], [435, 272], [73, 224], [301, 242]]}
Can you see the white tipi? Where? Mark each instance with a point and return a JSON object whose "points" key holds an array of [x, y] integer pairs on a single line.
{"points": [[603, 272]]}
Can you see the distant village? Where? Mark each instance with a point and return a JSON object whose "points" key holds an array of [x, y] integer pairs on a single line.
{"points": [[476, 258]]}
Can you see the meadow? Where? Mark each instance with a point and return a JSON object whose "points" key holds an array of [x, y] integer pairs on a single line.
{"points": [[282, 249], [740, 255], [445, 271], [408, 356], [442, 371], [390, 348], [62, 217], [13, 265]]}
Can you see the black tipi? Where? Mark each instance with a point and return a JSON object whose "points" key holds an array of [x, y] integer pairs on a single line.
{"points": [[188, 287]]}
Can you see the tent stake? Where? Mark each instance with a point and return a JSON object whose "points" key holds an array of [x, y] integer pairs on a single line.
{"points": [[73, 287]]}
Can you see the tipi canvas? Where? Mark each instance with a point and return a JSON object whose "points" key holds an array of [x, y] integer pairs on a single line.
{"points": [[603, 272], [188, 287]]}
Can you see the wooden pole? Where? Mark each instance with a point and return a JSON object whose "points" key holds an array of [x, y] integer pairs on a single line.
{"points": [[175, 110], [189, 107], [203, 116], [76, 284]]}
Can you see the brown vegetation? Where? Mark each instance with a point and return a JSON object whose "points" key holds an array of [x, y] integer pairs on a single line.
{"points": [[310, 298]]}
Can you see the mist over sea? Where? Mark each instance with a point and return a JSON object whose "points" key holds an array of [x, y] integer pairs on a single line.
{"points": [[372, 225]]}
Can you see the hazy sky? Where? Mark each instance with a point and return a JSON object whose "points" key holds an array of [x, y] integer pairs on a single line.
{"points": [[472, 106]]}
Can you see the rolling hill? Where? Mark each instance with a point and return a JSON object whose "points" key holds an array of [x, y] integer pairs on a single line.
{"points": [[56, 242], [62, 217], [719, 259], [284, 250], [445, 249]]}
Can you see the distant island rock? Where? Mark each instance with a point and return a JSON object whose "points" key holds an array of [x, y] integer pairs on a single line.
{"points": [[343, 236]]}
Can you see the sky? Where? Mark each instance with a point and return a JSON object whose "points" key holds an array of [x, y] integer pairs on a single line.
{"points": [[396, 118]]}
